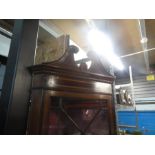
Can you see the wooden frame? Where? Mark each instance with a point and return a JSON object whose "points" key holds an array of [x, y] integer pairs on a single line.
{"points": [[63, 78], [40, 108]]}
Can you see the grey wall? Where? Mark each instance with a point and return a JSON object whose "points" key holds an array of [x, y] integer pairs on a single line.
{"points": [[143, 90], [142, 87]]}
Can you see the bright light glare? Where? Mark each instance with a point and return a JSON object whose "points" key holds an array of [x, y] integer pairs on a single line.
{"points": [[81, 53], [101, 43], [88, 64]]}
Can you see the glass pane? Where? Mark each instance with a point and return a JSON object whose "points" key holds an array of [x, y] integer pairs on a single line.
{"points": [[75, 117]]}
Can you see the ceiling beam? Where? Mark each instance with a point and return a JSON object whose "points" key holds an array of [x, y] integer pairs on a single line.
{"points": [[135, 53], [5, 33], [49, 27], [7, 24], [144, 43]]}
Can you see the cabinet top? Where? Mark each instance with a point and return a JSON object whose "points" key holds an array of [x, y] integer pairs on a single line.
{"points": [[66, 66]]}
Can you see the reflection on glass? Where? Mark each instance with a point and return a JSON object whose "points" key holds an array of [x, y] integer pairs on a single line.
{"points": [[77, 117]]}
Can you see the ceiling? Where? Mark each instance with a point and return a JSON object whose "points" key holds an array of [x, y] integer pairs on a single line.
{"points": [[124, 33]]}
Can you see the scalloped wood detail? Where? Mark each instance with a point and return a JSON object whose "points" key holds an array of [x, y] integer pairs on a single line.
{"points": [[67, 61]]}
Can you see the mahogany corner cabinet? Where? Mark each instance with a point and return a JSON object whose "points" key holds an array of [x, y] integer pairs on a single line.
{"points": [[70, 99]]}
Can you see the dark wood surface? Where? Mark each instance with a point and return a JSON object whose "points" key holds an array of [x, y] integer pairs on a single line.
{"points": [[17, 81], [63, 78]]}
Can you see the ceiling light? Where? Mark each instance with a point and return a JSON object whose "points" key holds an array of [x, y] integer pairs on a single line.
{"points": [[101, 43], [144, 40]]}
